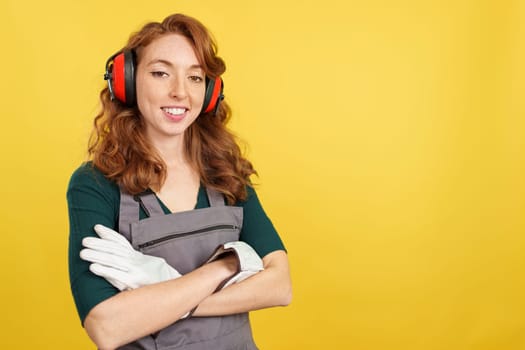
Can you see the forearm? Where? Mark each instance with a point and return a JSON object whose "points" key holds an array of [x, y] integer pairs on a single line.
{"points": [[133, 314], [268, 288]]}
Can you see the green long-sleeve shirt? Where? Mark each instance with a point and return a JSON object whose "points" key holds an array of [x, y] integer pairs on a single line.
{"points": [[93, 199]]}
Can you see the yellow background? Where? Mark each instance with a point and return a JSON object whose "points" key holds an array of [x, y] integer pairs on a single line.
{"points": [[389, 139]]}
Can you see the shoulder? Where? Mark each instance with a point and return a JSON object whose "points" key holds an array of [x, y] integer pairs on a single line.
{"points": [[88, 174], [88, 179], [252, 205], [251, 197], [258, 230]]}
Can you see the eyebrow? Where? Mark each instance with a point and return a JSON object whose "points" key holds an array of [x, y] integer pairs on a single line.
{"points": [[168, 63]]}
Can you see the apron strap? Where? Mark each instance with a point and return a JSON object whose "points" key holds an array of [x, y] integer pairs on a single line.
{"points": [[128, 213], [149, 202], [129, 209], [216, 198]]}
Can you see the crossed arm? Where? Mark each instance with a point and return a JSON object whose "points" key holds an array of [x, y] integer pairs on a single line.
{"points": [[132, 314]]}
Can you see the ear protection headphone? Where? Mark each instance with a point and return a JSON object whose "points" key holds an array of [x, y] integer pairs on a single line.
{"points": [[120, 74]]}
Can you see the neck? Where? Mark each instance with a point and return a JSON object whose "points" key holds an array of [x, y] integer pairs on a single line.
{"points": [[171, 151]]}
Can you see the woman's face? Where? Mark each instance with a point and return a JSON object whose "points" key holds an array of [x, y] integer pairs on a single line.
{"points": [[170, 87]]}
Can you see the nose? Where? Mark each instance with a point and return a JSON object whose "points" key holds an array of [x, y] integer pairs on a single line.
{"points": [[178, 88]]}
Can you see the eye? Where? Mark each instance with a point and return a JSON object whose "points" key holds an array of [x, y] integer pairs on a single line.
{"points": [[196, 78], [159, 74]]}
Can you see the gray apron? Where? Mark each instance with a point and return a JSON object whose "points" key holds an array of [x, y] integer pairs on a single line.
{"points": [[186, 240]]}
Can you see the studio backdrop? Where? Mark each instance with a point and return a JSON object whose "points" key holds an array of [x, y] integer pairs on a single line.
{"points": [[389, 140]]}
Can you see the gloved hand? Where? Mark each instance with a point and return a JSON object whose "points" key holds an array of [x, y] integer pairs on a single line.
{"points": [[249, 262], [114, 258]]}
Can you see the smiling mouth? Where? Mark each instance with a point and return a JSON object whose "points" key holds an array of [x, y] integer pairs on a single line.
{"points": [[174, 111]]}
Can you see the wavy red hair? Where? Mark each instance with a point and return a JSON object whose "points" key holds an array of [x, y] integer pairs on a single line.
{"points": [[118, 145]]}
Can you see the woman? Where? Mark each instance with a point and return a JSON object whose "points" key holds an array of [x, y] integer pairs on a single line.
{"points": [[167, 187]]}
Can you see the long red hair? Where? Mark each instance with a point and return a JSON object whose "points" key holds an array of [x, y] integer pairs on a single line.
{"points": [[118, 145]]}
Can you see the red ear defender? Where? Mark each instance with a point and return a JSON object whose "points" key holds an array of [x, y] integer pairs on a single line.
{"points": [[213, 95], [120, 74]]}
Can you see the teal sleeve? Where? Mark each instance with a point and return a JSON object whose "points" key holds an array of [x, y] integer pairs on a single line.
{"points": [[257, 229], [92, 199]]}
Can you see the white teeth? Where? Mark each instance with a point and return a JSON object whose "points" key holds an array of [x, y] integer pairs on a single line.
{"points": [[174, 111]]}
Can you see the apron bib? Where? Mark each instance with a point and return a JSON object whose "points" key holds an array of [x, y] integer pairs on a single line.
{"points": [[186, 240]]}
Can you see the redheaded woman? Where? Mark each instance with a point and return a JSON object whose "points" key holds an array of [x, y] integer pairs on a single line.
{"points": [[169, 245]]}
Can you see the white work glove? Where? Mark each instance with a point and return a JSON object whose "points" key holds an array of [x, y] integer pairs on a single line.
{"points": [[249, 262], [114, 258]]}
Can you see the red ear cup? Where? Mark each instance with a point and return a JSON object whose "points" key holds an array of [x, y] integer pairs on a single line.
{"points": [[120, 74], [117, 81], [213, 95]]}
